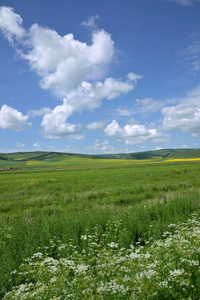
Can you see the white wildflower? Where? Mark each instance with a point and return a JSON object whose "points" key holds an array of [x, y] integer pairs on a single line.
{"points": [[171, 225], [177, 272], [147, 255], [81, 268], [113, 245], [134, 255]]}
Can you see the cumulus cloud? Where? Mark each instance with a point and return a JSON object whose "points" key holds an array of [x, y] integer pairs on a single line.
{"points": [[104, 147], [96, 126], [90, 23], [154, 135], [64, 62], [113, 129], [114, 88], [87, 96], [40, 112], [11, 24], [54, 123], [10, 118], [70, 69], [184, 116], [133, 134]]}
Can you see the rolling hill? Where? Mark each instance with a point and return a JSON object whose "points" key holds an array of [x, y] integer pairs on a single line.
{"points": [[42, 159]]}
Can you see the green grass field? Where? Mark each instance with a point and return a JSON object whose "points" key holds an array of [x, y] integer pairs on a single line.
{"points": [[56, 160], [99, 228]]}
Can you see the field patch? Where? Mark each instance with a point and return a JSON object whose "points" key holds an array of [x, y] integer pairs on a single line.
{"points": [[100, 232]]}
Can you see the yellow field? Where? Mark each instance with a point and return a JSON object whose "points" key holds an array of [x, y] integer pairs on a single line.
{"points": [[182, 159]]}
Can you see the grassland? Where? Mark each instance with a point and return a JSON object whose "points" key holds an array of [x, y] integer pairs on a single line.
{"points": [[57, 160], [99, 228]]}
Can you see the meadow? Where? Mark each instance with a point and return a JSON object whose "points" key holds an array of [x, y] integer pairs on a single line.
{"points": [[117, 230]]}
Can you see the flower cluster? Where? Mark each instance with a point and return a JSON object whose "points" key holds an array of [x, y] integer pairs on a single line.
{"points": [[164, 269]]}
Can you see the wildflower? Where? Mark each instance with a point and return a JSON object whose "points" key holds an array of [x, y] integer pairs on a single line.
{"points": [[194, 262], [113, 245], [176, 272], [81, 268], [53, 279], [172, 225], [37, 255], [134, 255], [147, 255], [163, 283]]}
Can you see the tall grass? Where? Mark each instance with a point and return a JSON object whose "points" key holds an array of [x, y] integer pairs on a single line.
{"points": [[129, 206], [167, 268]]}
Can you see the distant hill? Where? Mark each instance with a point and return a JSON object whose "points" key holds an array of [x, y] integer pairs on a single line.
{"points": [[163, 153], [61, 159]]}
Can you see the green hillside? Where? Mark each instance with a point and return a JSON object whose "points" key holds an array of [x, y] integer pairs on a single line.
{"points": [[166, 153], [42, 159]]}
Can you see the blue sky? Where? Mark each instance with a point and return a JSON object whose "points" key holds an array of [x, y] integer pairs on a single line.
{"points": [[110, 76]]}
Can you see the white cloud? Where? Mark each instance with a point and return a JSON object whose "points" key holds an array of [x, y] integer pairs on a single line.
{"points": [[114, 88], [124, 112], [63, 62], [20, 145], [70, 69], [185, 2], [153, 135], [54, 123], [191, 55], [184, 116], [87, 96], [36, 145], [96, 126], [10, 23], [133, 77], [37, 113], [194, 135], [133, 134], [10, 118], [148, 105], [144, 101], [104, 147], [113, 129], [90, 23]]}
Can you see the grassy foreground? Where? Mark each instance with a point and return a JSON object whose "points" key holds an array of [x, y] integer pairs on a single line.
{"points": [[111, 233]]}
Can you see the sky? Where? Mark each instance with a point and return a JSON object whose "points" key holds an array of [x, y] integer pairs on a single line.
{"points": [[90, 77]]}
